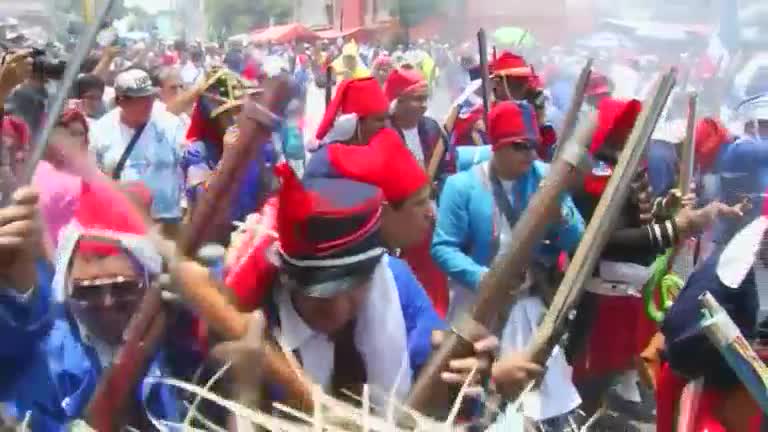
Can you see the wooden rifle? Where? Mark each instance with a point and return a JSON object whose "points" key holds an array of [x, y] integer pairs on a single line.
{"points": [[116, 388], [577, 100], [485, 85]]}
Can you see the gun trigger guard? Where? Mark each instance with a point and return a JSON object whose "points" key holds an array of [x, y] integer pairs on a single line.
{"points": [[469, 329]]}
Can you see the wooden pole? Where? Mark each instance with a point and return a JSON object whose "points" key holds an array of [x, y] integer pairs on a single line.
{"points": [[577, 100]]}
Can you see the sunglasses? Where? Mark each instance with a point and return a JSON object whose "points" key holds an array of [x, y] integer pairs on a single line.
{"points": [[522, 145], [120, 290]]}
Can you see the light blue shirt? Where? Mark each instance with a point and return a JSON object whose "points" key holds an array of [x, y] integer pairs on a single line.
{"points": [[155, 159]]}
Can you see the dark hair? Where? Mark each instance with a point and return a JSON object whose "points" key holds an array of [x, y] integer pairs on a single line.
{"points": [[89, 64], [160, 74], [86, 83]]}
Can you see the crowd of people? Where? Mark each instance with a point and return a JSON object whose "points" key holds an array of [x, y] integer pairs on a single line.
{"points": [[361, 228]]}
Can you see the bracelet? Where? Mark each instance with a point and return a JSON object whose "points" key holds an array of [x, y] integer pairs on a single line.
{"points": [[673, 229]]}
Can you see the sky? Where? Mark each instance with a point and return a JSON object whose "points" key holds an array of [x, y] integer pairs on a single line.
{"points": [[151, 6]]}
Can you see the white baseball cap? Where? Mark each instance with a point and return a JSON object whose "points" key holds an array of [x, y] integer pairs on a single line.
{"points": [[134, 83]]}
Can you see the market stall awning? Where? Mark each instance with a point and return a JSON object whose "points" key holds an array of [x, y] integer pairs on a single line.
{"points": [[283, 34], [335, 34]]}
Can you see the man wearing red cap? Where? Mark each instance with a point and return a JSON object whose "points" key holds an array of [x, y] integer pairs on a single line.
{"points": [[464, 121], [599, 87], [349, 312], [59, 347], [611, 327], [515, 80], [477, 211], [357, 111], [408, 215], [408, 93]]}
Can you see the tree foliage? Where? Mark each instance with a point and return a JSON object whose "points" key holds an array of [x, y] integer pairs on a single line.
{"points": [[413, 12], [239, 16]]}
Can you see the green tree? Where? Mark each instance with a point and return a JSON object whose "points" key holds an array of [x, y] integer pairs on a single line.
{"points": [[239, 16], [413, 12]]}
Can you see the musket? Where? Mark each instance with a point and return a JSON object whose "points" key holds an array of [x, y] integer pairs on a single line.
{"points": [[687, 152], [71, 72], [482, 45], [500, 286], [328, 86], [600, 226], [577, 100], [116, 387]]}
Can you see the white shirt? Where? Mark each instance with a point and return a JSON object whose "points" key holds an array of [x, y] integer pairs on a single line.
{"points": [[557, 394], [155, 159], [380, 336], [295, 334], [190, 73], [413, 142], [160, 108]]}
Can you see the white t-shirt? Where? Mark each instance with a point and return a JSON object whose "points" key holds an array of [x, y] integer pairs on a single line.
{"points": [[413, 142]]}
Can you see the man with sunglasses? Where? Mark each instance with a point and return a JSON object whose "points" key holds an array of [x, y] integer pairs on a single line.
{"points": [[58, 347], [477, 211]]}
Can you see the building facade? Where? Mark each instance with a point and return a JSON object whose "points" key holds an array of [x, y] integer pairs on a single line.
{"points": [[342, 14]]}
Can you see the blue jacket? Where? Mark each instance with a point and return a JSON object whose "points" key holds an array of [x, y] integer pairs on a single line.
{"points": [[419, 314], [743, 169], [467, 233], [47, 370], [688, 350]]}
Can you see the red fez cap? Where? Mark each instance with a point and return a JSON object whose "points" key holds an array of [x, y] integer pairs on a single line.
{"points": [[512, 122], [464, 124], [401, 81], [598, 84], [709, 138], [615, 120], [511, 65], [103, 210], [385, 162], [329, 231], [361, 96]]}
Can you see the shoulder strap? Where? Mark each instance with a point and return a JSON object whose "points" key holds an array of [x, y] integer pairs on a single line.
{"points": [[127, 152], [510, 212]]}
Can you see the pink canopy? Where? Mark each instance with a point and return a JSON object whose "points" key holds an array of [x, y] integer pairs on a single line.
{"points": [[283, 34], [334, 34]]}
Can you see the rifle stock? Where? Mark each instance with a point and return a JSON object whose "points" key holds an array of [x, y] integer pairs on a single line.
{"points": [[500, 286]]}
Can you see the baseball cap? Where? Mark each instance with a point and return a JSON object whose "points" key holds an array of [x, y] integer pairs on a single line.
{"points": [[134, 83]]}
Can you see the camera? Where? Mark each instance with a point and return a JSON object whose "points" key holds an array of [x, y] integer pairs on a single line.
{"points": [[43, 65]]}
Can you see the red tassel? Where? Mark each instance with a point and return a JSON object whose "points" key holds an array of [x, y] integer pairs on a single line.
{"points": [[251, 276], [294, 208]]}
